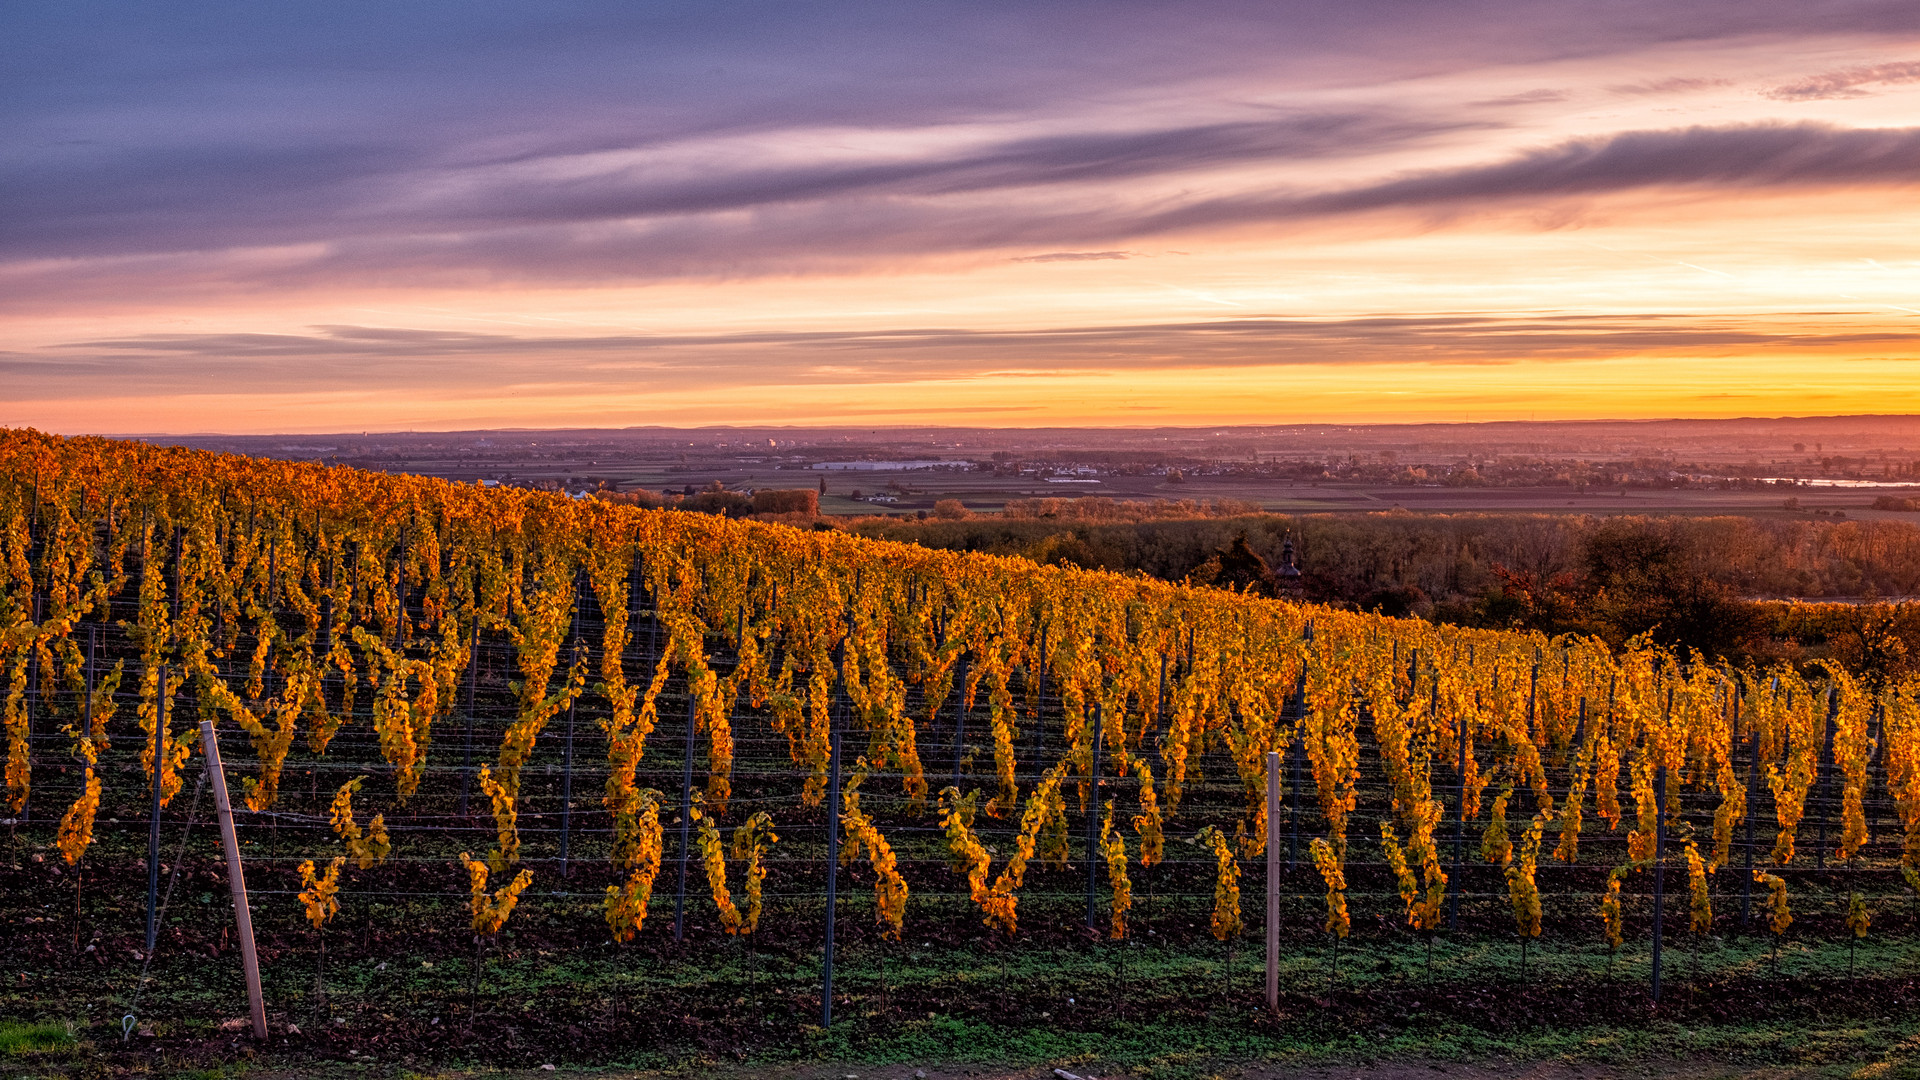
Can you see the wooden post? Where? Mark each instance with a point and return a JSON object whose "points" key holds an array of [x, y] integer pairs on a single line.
{"points": [[236, 879], [1273, 880], [153, 833], [1659, 868], [1093, 818], [833, 876]]}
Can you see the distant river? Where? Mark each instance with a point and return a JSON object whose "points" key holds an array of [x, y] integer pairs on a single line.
{"points": [[1813, 482]]}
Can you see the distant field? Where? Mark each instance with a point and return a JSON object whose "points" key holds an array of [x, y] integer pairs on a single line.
{"points": [[983, 493]]}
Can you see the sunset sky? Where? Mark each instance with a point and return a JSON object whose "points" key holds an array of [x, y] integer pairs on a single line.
{"points": [[297, 216]]}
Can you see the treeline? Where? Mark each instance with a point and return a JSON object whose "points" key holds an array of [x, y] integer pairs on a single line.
{"points": [[1690, 581], [765, 504], [1099, 508]]}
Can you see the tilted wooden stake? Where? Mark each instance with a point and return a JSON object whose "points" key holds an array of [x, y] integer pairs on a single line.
{"points": [[242, 915]]}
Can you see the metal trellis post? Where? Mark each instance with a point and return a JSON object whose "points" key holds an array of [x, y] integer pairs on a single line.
{"points": [[1753, 782], [833, 876], [566, 787], [1273, 880], [153, 834], [1093, 818], [1659, 869], [566, 752], [686, 824], [960, 718], [1295, 751], [1823, 771], [473, 684], [1460, 828]]}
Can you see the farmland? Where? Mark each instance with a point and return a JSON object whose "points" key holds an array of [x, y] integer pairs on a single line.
{"points": [[1693, 467], [1038, 792]]}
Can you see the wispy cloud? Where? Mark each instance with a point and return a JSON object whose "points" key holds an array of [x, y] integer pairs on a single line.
{"points": [[1074, 256], [1525, 97], [854, 220], [261, 196], [1747, 157], [1847, 82], [387, 358], [1677, 84]]}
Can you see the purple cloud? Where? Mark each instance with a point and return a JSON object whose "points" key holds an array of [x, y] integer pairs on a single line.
{"points": [[1073, 256], [1741, 157], [182, 147], [1846, 82]]}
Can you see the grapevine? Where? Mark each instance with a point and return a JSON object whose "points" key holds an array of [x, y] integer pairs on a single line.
{"points": [[1610, 913], [490, 911], [637, 852], [713, 856], [319, 893], [1114, 847], [1147, 823], [1327, 861], [889, 888], [364, 847], [750, 843], [76, 826], [1779, 915], [1225, 922], [335, 614], [1523, 893]]}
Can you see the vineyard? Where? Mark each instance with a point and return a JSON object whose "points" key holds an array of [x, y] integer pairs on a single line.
{"points": [[480, 733]]}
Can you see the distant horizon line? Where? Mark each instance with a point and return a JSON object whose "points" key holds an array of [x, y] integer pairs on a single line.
{"points": [[876, 429]]}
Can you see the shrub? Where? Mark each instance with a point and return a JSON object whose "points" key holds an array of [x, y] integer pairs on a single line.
{"points": [[796, 501], [640, 497]]}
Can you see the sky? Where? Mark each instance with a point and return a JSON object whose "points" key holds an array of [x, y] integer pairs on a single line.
{"points": [[246, 217]]}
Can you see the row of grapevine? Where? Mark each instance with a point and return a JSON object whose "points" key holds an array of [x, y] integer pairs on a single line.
{"points": [[296, 603]]}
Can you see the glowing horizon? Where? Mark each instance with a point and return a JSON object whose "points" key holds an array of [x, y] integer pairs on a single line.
{"points": [[1230, 215]]}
